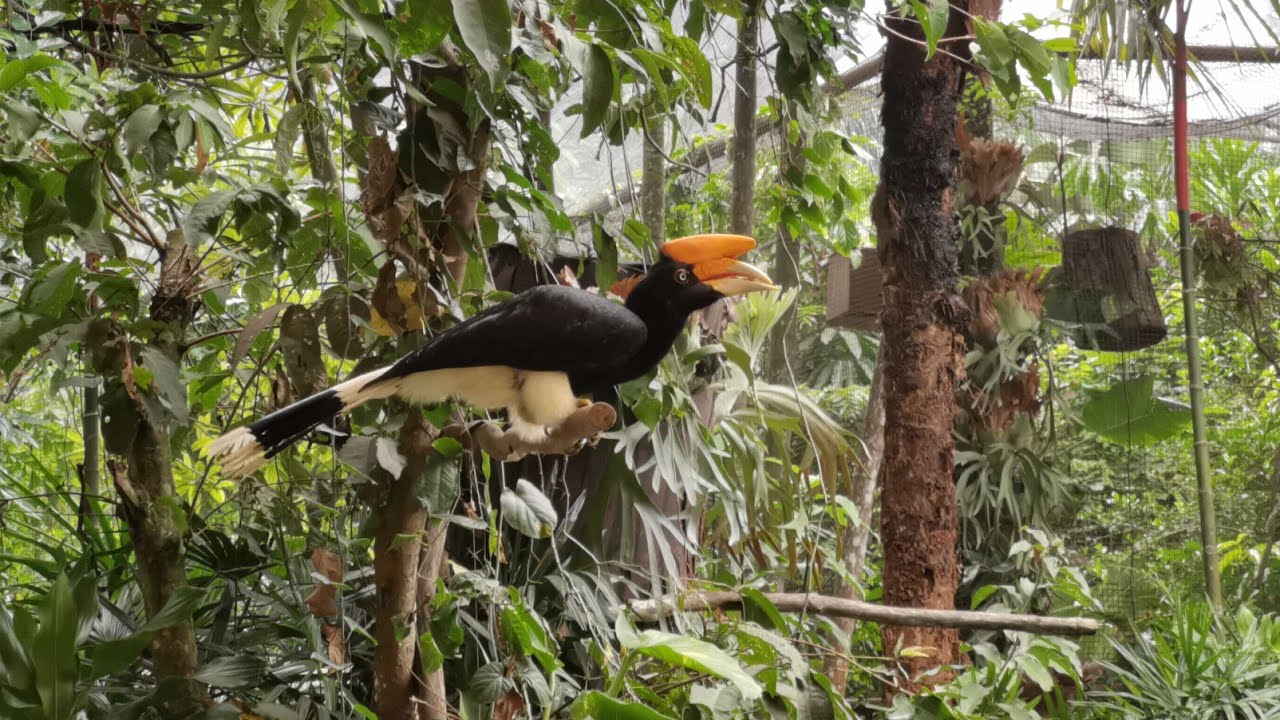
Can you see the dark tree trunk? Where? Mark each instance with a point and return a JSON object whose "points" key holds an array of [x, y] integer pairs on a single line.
{"points": [[914, 212], [742, 205]]}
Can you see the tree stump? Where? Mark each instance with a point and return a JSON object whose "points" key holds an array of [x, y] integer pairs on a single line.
{"points": [[1105, 287]]}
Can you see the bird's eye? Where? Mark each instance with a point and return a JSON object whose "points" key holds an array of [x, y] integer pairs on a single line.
{"points": [[682, 276]]}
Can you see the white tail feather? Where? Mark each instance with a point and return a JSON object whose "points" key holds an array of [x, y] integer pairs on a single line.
{"points": [[355, 392]]}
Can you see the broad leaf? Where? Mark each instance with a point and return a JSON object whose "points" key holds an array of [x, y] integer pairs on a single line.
{"points": [[595, 705], [485, 27], [1128, 412], [687, 652], [599, 82], [528, 510], [54, 651]]}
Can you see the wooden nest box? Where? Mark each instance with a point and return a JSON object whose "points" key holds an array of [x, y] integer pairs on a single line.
{"points": [[855, 295], [1104, 286]]}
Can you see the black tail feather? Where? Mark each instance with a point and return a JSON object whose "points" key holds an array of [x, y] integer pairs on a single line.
{"points": [[287, 425]]}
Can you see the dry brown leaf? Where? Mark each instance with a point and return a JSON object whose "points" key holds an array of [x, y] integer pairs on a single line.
{"points": [[130, 385], [323, 598], [568, 278], [989, 170], [336, 644], [508, 706]]}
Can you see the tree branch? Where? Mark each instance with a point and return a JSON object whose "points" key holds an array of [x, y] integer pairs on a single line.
{"points": [[653, 610]]}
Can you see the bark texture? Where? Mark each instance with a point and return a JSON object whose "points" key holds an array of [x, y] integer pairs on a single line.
{"points": [[147, 498], [653, 184], [786, 255], [742, 207], [914, 213]]}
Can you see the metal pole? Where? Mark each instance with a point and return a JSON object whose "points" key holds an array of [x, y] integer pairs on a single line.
{"points": [[1204, 485]]}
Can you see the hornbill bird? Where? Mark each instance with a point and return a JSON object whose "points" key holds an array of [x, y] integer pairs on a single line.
{"points": [[533, 354]]}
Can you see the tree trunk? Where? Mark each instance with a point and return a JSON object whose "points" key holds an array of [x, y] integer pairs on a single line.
{"points": [[401, 615], [148, 501], [786, 257], [742, 206], [653, 184], [913, 210], [854, 538], [395, 575]]}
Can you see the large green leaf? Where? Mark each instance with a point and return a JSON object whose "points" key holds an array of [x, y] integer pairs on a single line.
{"points": [[15, 664], [54, 651], [599, 81], [112, 656], [1129, 412], [596, 705], [528, 510], [83, 194], [687, 652], [485, 26]]}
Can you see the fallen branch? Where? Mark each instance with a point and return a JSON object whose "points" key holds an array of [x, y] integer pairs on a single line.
{"points": [[575, 433], [653, 610]]}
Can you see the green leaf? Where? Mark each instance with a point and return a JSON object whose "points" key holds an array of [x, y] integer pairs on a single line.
{"points": [[1129, 412], [52, 289], [595, 705], [440, 483], [432, 658], [933, 20], [17, 71], [232, 672], [490, 682], [994, 43], [83, 195], [54, 651], [113, 656], [140, 126], [428, 25], [525, 632], [287, 131], [21, 119], [15, 665], [166, 399], [485, 27], [757, 602], [529, 511], [1060, 45], [203, 218], [599, 82], [688, 652]]}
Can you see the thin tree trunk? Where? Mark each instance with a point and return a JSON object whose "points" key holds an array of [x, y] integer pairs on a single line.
{"points": [[400, 692], [395, 575], [914, 214], [742, 206], [653, 184], [854, 538], [147, 496], [786, 257]]}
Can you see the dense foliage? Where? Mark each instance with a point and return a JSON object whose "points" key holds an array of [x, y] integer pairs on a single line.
{"points": [[207, 211]]}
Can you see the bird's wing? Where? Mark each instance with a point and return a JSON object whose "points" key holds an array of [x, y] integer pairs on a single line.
{"points": [[545, 328]]}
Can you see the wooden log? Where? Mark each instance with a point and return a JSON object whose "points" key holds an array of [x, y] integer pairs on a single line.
{"points": [[667, 605]]}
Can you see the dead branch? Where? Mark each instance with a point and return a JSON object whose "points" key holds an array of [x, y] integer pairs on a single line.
{"points": [[579, 430], [653, 610]]}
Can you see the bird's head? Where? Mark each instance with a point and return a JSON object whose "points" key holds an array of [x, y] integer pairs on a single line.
{"points": [[694, 272]]}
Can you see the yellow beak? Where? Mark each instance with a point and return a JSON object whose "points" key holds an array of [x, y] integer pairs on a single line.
{"points": [[714, 261]]}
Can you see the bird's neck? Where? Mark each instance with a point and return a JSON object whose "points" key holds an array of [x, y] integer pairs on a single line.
{"points": [[664, 324]]}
